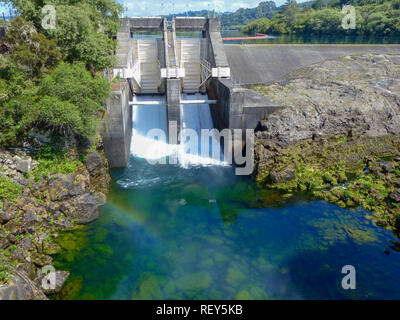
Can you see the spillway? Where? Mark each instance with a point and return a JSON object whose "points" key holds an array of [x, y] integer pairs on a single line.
{"points": [[150, 133]]}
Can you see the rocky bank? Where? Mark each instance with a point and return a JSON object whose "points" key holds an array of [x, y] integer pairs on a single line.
{"points": [[36, 212], [339, 135]]}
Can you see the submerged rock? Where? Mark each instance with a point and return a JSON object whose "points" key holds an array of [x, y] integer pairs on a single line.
{"points": [[195, 281], [243, 295]]}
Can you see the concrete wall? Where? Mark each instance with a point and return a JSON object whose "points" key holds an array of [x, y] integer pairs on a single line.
{"points": [[216, 49], [258, 64], [141, 24], [238, 108], [118, 126], [241, 108], [173, 104]]}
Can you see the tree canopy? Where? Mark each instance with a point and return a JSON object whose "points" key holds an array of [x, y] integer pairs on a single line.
{"points": [[85, 30], [373, 17], [48, 78]]}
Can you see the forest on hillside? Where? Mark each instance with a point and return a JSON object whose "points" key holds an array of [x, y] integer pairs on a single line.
{"points": [[373, 17]]}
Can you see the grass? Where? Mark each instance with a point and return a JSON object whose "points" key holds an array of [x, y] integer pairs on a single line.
{"points": [[9, 191], [47, 167], [5, 271], [52, 161]]}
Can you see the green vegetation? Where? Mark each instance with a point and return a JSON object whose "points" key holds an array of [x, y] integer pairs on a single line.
{"points": [[5, 271], [242, 17], [84, 30], [62, 164], [373, 17], [66, 101], [48, 78], [334, 170], [9, 190]]}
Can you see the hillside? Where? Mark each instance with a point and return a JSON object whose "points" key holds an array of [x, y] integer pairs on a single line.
{"points": [[241, 17], [373, 17]]}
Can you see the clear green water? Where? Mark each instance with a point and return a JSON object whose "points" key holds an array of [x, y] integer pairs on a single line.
{"points": [[170, 233]]}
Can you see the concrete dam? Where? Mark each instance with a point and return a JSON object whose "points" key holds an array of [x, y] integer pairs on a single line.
{"points": [[195, 82]]}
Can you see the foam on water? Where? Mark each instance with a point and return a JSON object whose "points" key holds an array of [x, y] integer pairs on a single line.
{"points": [[188, 154]]}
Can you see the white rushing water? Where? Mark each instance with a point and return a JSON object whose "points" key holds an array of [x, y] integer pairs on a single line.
{"points": [[193, 116]]}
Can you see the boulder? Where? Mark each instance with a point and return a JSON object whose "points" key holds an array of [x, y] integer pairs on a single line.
{"points": [[94, 162], [4, 242], [14, 227], [23, 165], [64, 186], [53, 282], [30, 218], [395, 196], [283, 175], [6, 215], [21, 287], [86, 207], [387, 166]]}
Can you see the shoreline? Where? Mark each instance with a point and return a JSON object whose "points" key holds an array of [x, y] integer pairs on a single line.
{"points": [[339, 135], [33, 218]]}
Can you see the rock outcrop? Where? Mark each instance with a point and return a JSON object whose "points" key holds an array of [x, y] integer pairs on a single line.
{"points": [[21, 287], [340, 124], [352, 95], [30, 224]]}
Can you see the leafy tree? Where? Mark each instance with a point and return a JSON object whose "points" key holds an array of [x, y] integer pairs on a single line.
{"points": [[373, 17], [318, 4], [68, 101], [84, 29], [30, 49], [290, 10], [78, 93]]}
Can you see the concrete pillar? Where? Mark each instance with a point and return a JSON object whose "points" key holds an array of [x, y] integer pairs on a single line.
{"points": [[117, 131], [173, 104]]}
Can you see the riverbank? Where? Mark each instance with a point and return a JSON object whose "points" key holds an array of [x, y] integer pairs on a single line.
{"points": [[338, 135], [37, 204]]}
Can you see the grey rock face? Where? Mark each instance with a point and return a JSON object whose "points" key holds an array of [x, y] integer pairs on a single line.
{"points": [[94, 162], [349, 96], [23, 165], [63, 186], [395, 196], [21, 288], [53, 282], [286, 174]]}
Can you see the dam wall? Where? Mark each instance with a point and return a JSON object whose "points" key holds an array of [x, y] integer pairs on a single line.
{"points": [[179, 69], [117, 132], [241, 108], [238, 107], [261, 64]]}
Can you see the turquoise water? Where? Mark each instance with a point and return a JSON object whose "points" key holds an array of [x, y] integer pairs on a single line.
{"points": [[203, 233]]}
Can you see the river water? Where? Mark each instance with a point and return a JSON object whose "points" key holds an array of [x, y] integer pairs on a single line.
{"points": [[194, 230], [311, 39]]}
